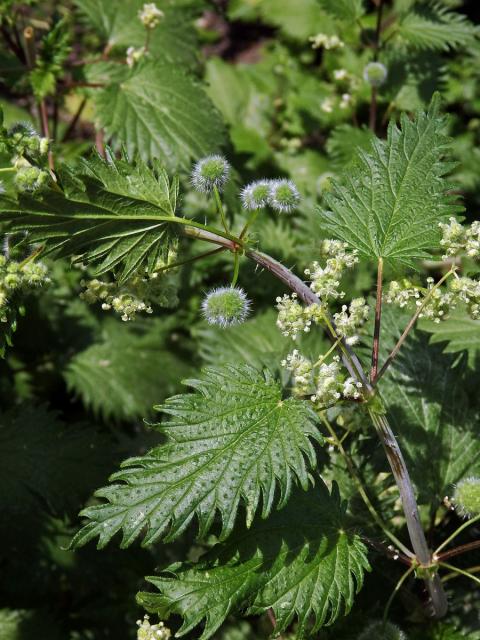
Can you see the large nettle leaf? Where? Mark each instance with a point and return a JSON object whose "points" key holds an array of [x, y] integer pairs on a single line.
{"points": [[173, 40], [112, 213], [127, 371], [388, 205], [235, 440], [302, 562], [459, 333], [156, 110], [430, 412]]}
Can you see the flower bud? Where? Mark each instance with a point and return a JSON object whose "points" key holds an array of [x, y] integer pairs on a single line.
{"points": [[375, 73], [30, 179], [210, 172], [150, 15], [284, 195], [467, 496], [226, 306], [255, 195]]}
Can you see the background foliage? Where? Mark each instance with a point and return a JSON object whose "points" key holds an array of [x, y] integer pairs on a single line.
{"points": [[239, 77]]}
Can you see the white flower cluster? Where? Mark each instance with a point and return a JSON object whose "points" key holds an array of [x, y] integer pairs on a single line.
{"points": [[459, 239], [126, 304], [442, 301], [134, 54], [150, 15], [327, 42], [350, 319], [325, 281], [148, 631], [329, 104], [327, 386], [467, 291], [15, 276], [293, 317]]}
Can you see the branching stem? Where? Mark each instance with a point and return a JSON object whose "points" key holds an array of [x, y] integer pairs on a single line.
{"points": [[456, 533], [462, 572], [220, 210], [411, 323], [398, 586]]}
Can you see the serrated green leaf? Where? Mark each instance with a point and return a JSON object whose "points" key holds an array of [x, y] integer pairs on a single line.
{"points": [[429, 25], [42, 463], [350, 10], [459, 331], [112, 214], [158, 111], [126, 373], [429, 411], [234, 441], [303, 562], [345, 141], [389, 204]]}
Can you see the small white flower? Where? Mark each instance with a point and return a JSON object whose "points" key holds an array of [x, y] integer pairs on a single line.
{"points": [[327, 105], [134, 55], [340, 74], [150, 15]]}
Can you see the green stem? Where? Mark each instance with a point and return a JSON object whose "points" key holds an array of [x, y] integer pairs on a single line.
{"points": [[220, 208], [378, 320], [462, 572], [395, 591], [236, 268], [6, 169], [180, 263], [361, 490], [456, 574], [250, 221], [411, 322], [456, 533], [325, 356]]}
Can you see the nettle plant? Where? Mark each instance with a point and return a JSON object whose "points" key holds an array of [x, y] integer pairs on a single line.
{"points": [[254, 462]]}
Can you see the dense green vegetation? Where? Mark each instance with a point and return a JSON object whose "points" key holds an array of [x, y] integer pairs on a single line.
{"points": [[239, 319]]}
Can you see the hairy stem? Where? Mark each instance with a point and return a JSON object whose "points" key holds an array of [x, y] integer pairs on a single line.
{"points": [[411, 323], [378, 320], [409, 503], [361, 490]]}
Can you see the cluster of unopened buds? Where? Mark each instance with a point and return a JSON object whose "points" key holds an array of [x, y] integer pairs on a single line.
{"points": [[325, 280], [322, 40], [458, 239], [134, 55], [18, 276], [148, 631], [294, 317], [324, 384], [350, 319], [28, 150], [136, 295]]}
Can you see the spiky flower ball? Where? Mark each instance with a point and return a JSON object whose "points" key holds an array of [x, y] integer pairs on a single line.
{"points": [[226, 306], [210, 172], [256, 194], [375, 73], [284, 195], [467, 497], [379, 631], [30, 179]]}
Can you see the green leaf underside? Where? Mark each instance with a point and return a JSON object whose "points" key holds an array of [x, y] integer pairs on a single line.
{"points": [[233, 441], [459, 333], [125, 374], [429, 411], [112, 214], [158, 111], [390, 202], [302, 562]]}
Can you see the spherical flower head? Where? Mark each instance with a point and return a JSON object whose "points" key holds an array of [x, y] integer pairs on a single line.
{"points": [[210, 172], [375, 73], [226, 306], [380, 631], [284, 196], [256, 194], [150, 15], [467, 496]]}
